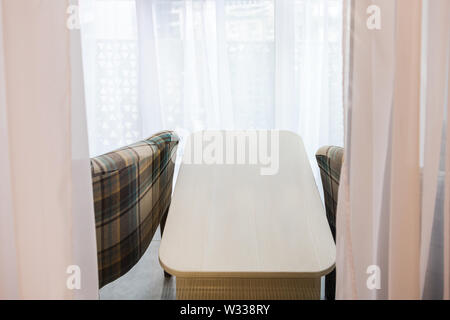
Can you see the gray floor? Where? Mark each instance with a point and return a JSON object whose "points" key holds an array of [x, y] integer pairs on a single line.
{"points": [[145, 281]]}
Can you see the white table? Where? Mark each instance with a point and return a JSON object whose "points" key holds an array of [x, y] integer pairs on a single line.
{"points": [[232, 233]]}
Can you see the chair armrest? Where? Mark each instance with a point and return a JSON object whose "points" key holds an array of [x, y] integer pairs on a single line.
{"points": [[330, 160], [132, 191]]}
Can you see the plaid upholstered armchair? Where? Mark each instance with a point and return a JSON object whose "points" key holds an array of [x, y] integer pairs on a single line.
{"points": [[329, 160], [132, 191]]}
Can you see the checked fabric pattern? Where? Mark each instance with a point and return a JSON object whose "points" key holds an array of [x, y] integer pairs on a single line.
{"points": [[329, 160], [132, 192]]}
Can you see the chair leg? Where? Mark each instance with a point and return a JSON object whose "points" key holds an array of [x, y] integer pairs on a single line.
{"points": [[162, 224]]}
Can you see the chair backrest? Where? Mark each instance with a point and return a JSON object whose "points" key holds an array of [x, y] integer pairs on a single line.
{"points": [[329, 160], [132, 191]]}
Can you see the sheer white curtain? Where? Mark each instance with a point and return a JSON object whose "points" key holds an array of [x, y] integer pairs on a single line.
{"points": [[109, 41], [394, 196], [46, 208], [215, 64]]}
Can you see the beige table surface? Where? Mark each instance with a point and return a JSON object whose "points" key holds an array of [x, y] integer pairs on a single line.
{"points": [[229, 221]]}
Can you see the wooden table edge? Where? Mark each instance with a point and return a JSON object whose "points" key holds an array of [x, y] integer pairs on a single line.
{"points": [[247, 275]]}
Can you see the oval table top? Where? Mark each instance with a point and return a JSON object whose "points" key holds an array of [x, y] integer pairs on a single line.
{"points": [[230, 220]]}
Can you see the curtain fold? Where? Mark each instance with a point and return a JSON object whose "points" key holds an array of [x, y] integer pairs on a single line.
{"points": [[47, 217], [84, 241], [393, 198], [8, 256], [437, 29], [217, 64], [183, 66]]}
